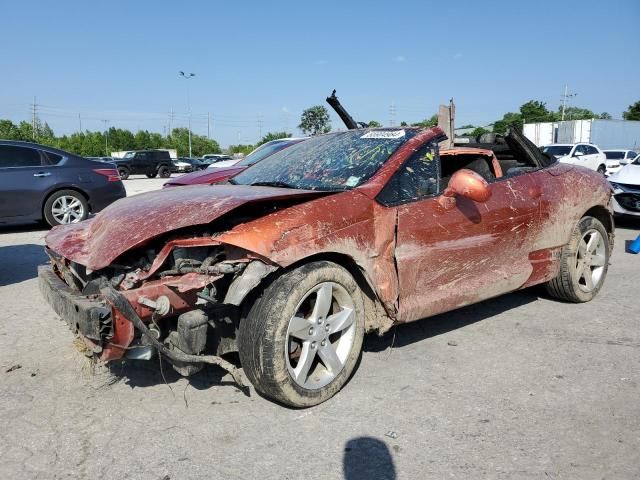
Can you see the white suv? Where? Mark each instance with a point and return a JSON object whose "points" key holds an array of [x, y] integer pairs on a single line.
{"points": [[583, 154]]}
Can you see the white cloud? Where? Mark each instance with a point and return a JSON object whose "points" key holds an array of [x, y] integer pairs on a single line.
{"points": [[285, 109], [321, 62], [457, 56], [400, 58]]}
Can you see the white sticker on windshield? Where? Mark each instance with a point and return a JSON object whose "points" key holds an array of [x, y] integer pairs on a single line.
{"points": [[384, 134], [352, 181]]}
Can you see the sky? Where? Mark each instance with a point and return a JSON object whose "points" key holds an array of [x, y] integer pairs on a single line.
{"points": [[259, 64]]}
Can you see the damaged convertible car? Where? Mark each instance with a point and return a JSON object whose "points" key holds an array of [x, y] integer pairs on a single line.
{"points": [[293, 260]]}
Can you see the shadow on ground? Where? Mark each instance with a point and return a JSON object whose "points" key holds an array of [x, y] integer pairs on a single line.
{"points": [[413, 332], [367, 458], [20, 262]]}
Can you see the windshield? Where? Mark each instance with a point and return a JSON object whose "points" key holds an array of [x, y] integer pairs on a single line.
{"points": [[336, 161], [129, 155], [614, 155], [263, 151], [557, 150]]}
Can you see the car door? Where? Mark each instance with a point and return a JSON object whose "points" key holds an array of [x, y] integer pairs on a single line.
{"points": [[142, 162], [447, 258], [25, 177]]}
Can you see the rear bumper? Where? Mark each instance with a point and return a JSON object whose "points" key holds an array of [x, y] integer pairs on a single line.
{"points": [[89, 317], [102, 197]]}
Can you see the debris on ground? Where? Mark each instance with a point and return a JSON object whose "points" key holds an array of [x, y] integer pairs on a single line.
{"points": [[13, 367], [391, 434], [451, 343]]}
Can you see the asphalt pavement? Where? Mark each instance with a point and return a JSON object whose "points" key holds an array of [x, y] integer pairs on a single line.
{"points": [[518, 387]]}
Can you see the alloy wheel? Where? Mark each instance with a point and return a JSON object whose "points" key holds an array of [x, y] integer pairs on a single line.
{"points": [[320, 335], [591, 259], [67, 209]]}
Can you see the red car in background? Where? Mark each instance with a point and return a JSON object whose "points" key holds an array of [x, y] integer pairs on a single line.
{"points": [[215, 174]]}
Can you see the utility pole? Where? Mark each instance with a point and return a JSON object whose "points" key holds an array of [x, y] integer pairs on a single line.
{"points": [[34, 118], [106, 138], [171, 115], [208, 126], [392, 114], [188, 76], [259, 126], [565, 97], [80, 121]]}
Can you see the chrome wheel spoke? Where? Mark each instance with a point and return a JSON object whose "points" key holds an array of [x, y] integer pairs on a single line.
{"points": [[593, 242], [301, 328], [588, 278], [301, 372], [330, 358], [324, 297], [598, 260], [340, 321]]}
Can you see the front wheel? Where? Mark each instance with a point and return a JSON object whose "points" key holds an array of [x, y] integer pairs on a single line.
{"points": [[584, 262], [301, 339], [602, 170]]}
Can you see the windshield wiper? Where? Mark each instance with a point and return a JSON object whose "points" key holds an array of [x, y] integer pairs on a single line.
{"points": [[272, 184]]}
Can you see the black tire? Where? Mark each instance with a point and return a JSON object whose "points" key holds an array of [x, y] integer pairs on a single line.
{"points": [[263, 342], [164, 171], [152, 175], [568, 285], [602, 170], [124, 173], [48, 206]]}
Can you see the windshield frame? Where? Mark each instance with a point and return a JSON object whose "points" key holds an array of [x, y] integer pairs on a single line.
{"points": [[347, 159]]}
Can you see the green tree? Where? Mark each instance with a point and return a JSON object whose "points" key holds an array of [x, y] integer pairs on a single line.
{"points": [[404, 124], [8, 130], [432, 121], [244, 149], [374, 124], [577, 113], [633, 112], [315, 120], [273, 136], [605, 116], [509, 118], [476, 132], [535, 111]]}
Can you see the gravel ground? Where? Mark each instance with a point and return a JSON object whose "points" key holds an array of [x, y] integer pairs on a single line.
{"points": [[516, 387]]}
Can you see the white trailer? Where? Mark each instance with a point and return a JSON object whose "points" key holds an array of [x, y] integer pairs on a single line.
{"points": [[607, 134]]}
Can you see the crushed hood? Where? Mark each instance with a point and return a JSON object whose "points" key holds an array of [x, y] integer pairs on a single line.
{"points": [[132, 221], [628, 175]]}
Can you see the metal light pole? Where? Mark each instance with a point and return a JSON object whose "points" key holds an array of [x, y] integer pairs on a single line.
{"points": [[187, 76]]}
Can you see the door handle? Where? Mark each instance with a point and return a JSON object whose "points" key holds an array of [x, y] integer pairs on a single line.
{"points": [[42, 174]]}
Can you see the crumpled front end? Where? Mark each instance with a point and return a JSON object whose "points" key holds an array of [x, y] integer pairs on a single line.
{"points": [[180, 299]]}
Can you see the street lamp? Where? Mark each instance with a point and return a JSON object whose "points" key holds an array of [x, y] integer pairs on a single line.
{"points": [[187, 76]]}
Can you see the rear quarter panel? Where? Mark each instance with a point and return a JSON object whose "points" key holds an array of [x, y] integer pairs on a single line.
{"points": [[568, 192]]}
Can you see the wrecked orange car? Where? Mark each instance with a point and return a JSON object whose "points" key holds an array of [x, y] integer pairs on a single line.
{"points": [[294, 259]]}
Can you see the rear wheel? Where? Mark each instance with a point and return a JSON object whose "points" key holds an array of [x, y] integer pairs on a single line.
{"points": [[301, 339], [65, 206], [164, 172], [583, 264], [123, 172]]}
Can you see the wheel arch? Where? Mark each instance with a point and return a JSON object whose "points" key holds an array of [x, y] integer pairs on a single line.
{"points": [[605, 217], [377, 318]]}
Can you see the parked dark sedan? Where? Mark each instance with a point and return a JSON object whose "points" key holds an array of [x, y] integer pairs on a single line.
{"points": [[38, 182]]}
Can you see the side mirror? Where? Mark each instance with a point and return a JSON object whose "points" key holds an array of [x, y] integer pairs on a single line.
{"points": [[578, 154], [466, 183]]}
